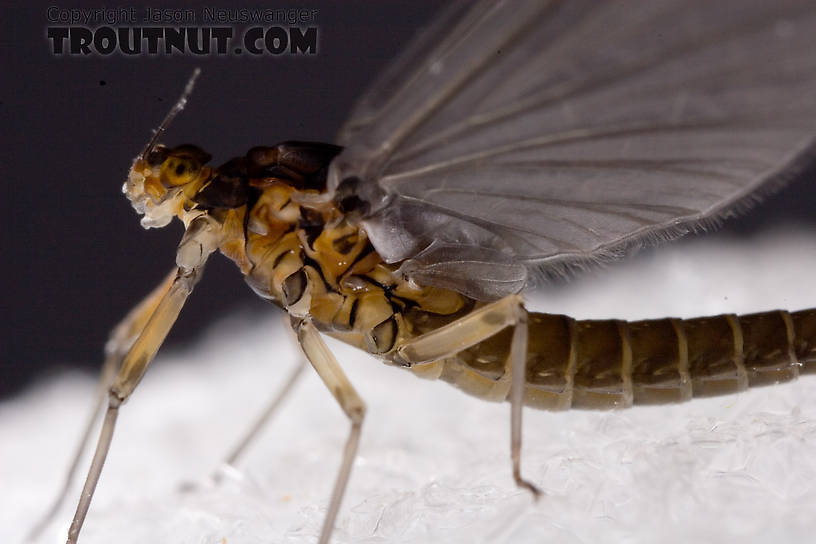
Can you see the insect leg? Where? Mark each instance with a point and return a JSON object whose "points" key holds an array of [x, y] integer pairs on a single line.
{"points": [[262, 420], [459, 335], [350, 402], [518, 358], [120, 339], [105, 379], [470, 330], [198, 242]]}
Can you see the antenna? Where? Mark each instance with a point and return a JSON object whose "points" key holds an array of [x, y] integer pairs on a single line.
{"points": [[179, 105]]}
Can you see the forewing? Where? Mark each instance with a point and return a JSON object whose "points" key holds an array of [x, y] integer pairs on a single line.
{"points": [[535, 134]]}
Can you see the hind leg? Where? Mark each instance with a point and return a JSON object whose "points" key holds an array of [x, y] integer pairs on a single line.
{"points": [[470, 330]]}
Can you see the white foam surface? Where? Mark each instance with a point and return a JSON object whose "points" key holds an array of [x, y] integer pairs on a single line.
{"points": [[434, 464]]}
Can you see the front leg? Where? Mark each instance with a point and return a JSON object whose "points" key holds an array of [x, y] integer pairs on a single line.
{"points": [[199, 241], [121, 338]]}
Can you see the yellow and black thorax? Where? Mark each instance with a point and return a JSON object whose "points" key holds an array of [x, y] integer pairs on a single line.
{"points": [[307, 254]]}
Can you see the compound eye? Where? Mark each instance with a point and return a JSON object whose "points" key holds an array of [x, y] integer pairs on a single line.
{"points": [[182, 165], [177, 171]]}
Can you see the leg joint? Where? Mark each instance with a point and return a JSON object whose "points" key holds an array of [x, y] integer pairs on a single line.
{"points": [[356, 413]]}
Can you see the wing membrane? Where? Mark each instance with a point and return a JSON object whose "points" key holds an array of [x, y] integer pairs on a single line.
{"points": [[542, 134]]}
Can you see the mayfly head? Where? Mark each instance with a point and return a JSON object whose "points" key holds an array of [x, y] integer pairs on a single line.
{"points": [[162, 184], [162, 180]]}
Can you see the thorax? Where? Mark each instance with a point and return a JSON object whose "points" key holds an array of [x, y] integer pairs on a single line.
{"points": [[315, 263]]}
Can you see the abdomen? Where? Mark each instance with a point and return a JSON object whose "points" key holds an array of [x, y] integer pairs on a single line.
{"points": [[600, 364]]}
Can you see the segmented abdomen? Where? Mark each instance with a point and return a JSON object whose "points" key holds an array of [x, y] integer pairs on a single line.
{"points": [[614, 364]]}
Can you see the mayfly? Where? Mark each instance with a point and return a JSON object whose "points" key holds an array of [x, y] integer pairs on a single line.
{"points": [[510, 141]]}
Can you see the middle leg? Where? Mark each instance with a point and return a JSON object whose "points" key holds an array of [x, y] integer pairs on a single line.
{"points": [[240, 448], [327, 367]]}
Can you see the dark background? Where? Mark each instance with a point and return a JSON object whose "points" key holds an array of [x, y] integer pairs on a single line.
{"points": [[75, 257]]}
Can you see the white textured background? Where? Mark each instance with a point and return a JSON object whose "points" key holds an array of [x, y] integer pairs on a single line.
{"points": [[434, 464]]}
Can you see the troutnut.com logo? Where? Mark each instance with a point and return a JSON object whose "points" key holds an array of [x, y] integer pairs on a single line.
{"points": [[169, 31]]}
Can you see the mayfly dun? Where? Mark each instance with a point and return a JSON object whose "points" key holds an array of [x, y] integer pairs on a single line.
{"points": [[510, 141]]}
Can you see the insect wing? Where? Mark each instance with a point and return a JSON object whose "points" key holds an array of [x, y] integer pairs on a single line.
{"points": [[530, 136]]}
